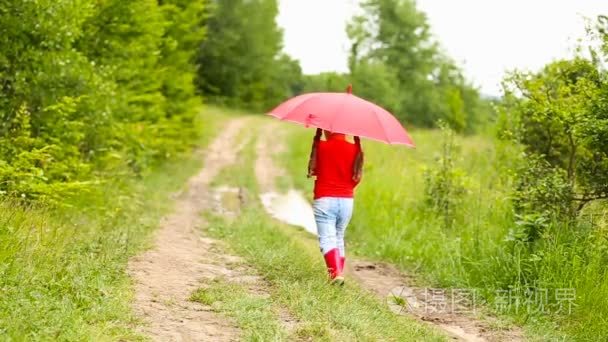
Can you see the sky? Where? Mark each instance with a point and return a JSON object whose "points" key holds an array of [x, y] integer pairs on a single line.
{"points": [[485, 37]]}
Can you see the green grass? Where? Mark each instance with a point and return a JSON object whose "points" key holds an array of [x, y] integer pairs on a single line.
{"points": [[392, 223], [255, 314], [63, 270], [236, 175], [298, 282], [290, 262]]}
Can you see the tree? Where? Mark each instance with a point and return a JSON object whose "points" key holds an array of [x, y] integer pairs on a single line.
{"points": [[375, 81], [240, 55], [51, 95], [93, 86], [326, 82], [429, 86], [287, 81], [560, 116], [184, 32]]}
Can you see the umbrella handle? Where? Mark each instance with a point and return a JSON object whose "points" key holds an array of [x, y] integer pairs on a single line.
{"points": [[312, 160]]}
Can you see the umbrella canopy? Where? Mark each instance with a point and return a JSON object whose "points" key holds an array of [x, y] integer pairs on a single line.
{"points": [[344, 113]]}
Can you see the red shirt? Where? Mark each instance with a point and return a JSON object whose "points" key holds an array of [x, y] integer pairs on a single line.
{"points": [[334, 168]]}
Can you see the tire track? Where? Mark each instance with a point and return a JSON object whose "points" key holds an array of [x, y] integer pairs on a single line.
{"points": [[166, 275]]}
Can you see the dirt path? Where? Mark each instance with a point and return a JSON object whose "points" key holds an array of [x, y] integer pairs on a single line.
{"points": [[431, 306], [451, 310], [183, 260], [166, 275]]}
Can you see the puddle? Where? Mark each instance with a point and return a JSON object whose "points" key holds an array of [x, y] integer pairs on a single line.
{"points": [[291, 207]]}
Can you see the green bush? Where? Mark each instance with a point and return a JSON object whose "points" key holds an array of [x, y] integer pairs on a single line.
{"points": [[541, 189], [92, 89], [445, 184], [560, 118]]}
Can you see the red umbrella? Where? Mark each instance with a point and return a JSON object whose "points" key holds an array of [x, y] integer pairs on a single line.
{"points": [[344, 113]]}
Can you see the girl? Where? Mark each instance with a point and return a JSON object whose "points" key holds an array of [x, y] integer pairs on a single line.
{"points": [[337, 165]]}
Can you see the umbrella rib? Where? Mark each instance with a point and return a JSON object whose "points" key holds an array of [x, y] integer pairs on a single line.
{"points": [[381, 126], [336, 114]]}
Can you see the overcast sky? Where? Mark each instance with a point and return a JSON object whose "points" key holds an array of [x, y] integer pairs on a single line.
{"points": [[486, 37]]}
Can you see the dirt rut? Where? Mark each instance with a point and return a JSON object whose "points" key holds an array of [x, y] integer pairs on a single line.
{"points": [[450, 310], [166, 275]]}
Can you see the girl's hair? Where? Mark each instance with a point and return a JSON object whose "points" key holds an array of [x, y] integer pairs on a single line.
{"points": [[357, 166], [359, 159], [312, 161]]}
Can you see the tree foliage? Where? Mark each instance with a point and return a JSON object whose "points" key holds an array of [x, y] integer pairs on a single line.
{"points": [[92, 86], [243, 59], [560, 114], [394, 57], [326, 81]]}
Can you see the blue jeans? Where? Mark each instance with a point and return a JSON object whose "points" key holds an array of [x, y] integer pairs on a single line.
{"points": [[332, 215]]}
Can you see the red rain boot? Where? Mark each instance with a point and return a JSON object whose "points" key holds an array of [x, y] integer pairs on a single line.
{"points": [[342, 261], [333, 262]]}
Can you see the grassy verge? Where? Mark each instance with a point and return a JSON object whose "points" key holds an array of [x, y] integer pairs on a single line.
{"points": [[291, 264], [255, 314], [62, 270], [297, 278], [557, 288]]}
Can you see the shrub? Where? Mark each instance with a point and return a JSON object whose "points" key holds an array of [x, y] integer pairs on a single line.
{"points": [[93, 89], [445, 185]]}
